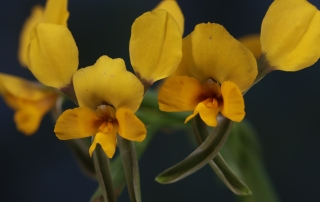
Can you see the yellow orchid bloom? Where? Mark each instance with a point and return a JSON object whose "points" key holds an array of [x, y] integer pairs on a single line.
{"points": [[290, 35], [174, 9], [155, 46], [214, 70], [53, 55], [108, 96], [54, 12], [30, 100]]}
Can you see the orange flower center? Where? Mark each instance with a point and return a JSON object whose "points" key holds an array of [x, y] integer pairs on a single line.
{"points": [[212, 92], [107, 113]]}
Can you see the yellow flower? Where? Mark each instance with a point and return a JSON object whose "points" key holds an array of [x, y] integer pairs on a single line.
{"points": [[155, 46], [214, 70], [290, 35], [53, 55], [108, 96], [55, 12], [173, 8], [30, 100]]}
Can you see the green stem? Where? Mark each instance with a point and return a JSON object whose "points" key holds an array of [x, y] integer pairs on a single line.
{"points": [[103, 171]]}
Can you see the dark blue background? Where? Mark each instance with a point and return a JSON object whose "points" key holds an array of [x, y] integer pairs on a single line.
{"points": [[284, 108]]}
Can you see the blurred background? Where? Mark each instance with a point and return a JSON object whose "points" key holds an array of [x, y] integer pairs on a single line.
{"points": [[283, 108]]}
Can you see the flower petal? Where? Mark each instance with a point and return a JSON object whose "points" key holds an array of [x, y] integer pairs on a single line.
{"points": [[30, 100], [29, 24], [233, 103], [107, 142], [180, 93], [219, 56], [108, 81], [28, 113], [53, 54], [23, 89], [187, 59], [77, 123], [28, 120], [207, 114], [155, 45], [174, 9], [56, 12], [252, 42], [130, 127], [290, 35]]}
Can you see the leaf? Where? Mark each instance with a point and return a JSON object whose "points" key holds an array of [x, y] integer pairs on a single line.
{"points": [[201, 156], [118, 176], [235, 184], [102, 166], [218, 164], [131, 168], [243, 153]]}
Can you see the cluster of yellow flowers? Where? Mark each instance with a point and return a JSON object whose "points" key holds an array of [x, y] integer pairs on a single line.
{"points": [[208, 70]]}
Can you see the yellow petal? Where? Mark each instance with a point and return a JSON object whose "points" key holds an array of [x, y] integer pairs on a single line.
{"points": [[155, 45], [219, 56], [187, 59], [107, 142], [28, 113], [56, 12], [30, 100], [108, 81], [27, 120], [29, 24], [252, 42], [53, 54], [180, 93], [130, 127], [174, 9], [207, 113], [290, 35], [77, 123], [233, 103], [23, 89]]}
